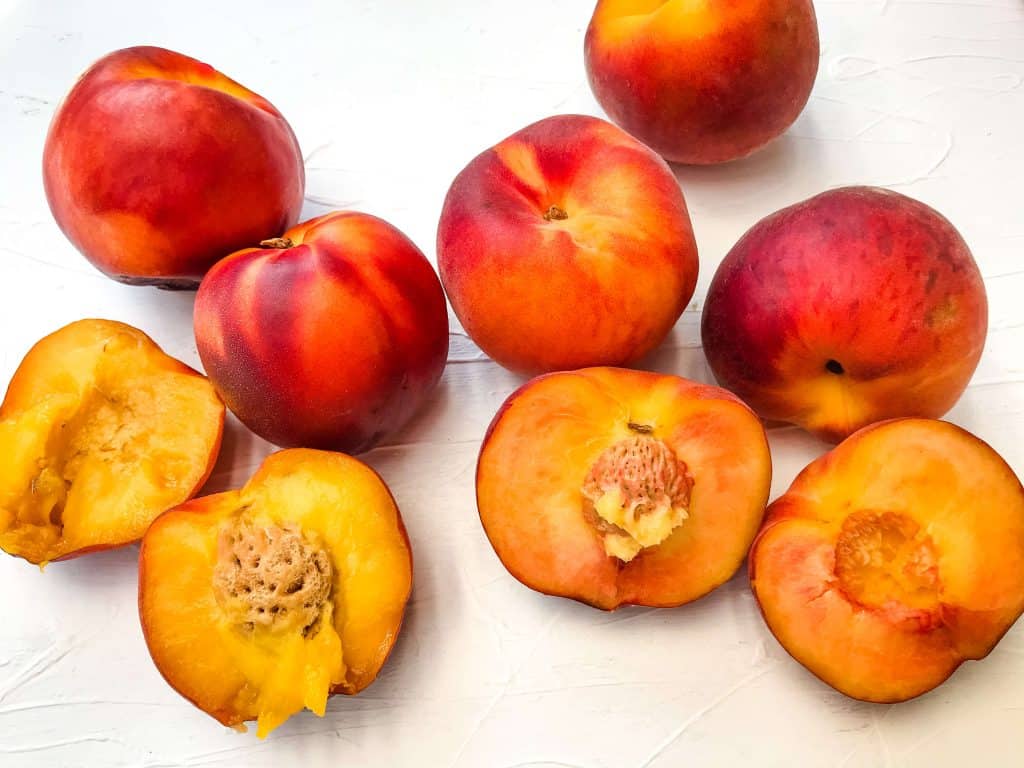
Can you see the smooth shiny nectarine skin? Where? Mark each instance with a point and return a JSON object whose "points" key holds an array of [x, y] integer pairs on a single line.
{"points": [[893, 558], [157, 165], [100, 431], [331, 336], [567, 245], [854, 306], [703, 81], [554, 435], [239, 646]]}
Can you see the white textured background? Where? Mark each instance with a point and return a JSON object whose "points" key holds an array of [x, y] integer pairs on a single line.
{"points": [[390, 98]]}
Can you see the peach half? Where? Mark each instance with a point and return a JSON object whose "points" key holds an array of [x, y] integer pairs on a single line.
{"points": [[258, 602], [100, 432], [893, 558], [614, 487]]}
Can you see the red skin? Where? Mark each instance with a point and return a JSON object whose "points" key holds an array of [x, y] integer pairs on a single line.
{"points": [[332, 343], [870, 279], [705, 84], [156, 166], [602, 286]]}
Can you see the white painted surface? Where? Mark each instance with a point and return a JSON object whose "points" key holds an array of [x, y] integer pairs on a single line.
{"points": [[389, 99]]}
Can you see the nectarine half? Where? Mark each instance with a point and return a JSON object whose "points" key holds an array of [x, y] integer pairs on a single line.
{"points": [[100, 432], [258, 602], [613, 487], [893, 558]]}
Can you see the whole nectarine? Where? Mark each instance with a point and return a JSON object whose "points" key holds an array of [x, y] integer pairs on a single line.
{"points": [[854, 306], [703, 81], [331, 336], [156, 165], [568, 244]]}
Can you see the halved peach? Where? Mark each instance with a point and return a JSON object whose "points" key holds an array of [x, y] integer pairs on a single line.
{"points": [[100, 431], [893, 558], [613, 486], [258, 602]]}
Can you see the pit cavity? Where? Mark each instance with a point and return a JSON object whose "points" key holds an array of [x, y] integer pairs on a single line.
{"points": [[273, 577], [636, 494], [884, 557]]}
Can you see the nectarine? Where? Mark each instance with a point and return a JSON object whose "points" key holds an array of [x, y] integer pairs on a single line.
{"points": [[851, 307], [566, 245], [100, 432], [156, 165], [258, 602], [893, 558], [614, 487], [331, 336], [703, 81]]}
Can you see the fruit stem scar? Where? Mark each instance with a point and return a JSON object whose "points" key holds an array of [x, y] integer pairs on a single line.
{"points": [[643, 429], [834, 366], [554, 213], [277, 242]]}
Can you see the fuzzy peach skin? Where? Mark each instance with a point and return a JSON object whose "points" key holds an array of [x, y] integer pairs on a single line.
{"points": [[331, 336], [548, 443], [854, 306], [893, 559], [258, 602], [703, 81], [568, 244], [100, 432], [156, 165]]}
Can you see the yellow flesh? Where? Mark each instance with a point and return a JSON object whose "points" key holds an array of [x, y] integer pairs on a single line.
{"points": [[93, 464], [269, 674]]}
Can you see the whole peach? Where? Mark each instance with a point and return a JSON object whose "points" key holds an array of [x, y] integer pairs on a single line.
{"points": [[567, 245], [703, 81], [854, 306], [331, 336], [156, 165]]}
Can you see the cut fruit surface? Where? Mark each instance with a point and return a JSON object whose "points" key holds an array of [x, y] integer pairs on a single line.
{"points": [[258, 602], [894, 558], [101, 432], [615, 487]]}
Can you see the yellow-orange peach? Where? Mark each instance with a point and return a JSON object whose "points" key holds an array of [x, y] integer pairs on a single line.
{"points": [[567, 245], [851, 307], [258, 602], [100, 432], [157, 165], [893, 558], [703, 81], [615, 487]]}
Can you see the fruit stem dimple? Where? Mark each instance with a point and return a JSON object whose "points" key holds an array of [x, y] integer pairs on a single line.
{"points": [[834, 366], [277, 242], [554, 213]]}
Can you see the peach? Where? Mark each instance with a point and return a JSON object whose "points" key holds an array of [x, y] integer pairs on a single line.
{"points": [[331, 336], [567, 245], [615, 487], [156, 165], [258, 602], [851, 307], [100, 432], [893, 558], [703, 81]]}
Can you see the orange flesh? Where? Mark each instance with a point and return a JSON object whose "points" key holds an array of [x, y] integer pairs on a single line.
{"points": [[100, 432], [544, 444], [893, 558], [237, 669]]}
